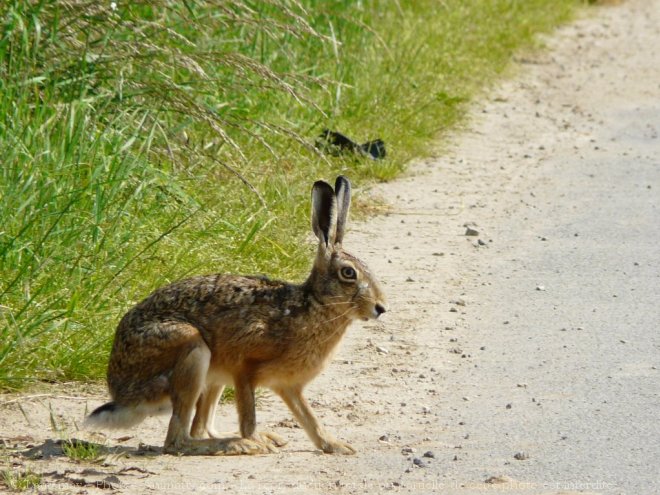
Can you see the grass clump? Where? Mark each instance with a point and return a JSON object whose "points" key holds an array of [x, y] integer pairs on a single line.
{"points": [[79, 450], [142, 142], [20, 481]]}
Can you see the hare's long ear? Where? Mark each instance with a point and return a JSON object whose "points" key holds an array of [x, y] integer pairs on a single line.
{"points": [[324, 213], [343, 194]]}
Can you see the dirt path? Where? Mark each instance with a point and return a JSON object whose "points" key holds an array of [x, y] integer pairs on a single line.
{"points": [[538, 337]]}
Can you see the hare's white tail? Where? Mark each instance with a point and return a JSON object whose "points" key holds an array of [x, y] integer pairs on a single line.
{"points": [[112, 416]]}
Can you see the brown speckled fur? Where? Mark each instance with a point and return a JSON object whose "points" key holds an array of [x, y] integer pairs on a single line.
{"points": [[186, 341]]}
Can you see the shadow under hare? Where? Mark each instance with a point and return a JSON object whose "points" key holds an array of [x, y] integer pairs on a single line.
{"points": [[184, 343]]}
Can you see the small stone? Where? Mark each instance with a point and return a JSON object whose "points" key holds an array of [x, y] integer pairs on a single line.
{"points": [[521, 456], [453, 310], [469, 231], [481, 243], [407, 450], [382, 350], [418, 462], [384, 438], [111, 482], [508, 406], [496, 480], [429, 454], [540, 287]]}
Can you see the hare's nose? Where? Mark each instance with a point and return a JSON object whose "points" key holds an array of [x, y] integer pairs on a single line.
{"points": [[379, 310]]}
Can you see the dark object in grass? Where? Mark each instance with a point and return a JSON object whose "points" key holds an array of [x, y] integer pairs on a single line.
{"points": [[336, 143]]}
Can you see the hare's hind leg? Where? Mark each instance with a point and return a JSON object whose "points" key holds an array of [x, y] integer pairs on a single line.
{"points": [[187, 383], [207, 404]]}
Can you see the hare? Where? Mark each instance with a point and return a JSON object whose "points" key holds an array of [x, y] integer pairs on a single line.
{"points": [[184, 343]]}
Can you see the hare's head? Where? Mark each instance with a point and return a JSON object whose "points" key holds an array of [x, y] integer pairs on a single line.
{"points": [[339, 278]]}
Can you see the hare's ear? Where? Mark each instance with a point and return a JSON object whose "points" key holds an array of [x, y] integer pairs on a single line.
{"points": [[343, 194], [324, 213]]}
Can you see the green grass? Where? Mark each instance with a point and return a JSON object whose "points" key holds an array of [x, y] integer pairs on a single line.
{"points": [[78, 450], [20, 481], [169, 138]]}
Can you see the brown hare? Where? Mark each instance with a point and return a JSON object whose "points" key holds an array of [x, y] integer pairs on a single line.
{"points": [[180, 346]]}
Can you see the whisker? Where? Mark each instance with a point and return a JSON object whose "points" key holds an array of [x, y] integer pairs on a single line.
{"points": [[336, 303], [332, 334], [339, 316]]}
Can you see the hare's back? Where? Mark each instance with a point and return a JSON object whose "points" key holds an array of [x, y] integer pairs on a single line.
{"points": [[198, 299]]}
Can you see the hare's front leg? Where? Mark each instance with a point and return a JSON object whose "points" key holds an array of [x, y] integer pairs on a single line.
{"points": [[293, 398], [247, 416]]}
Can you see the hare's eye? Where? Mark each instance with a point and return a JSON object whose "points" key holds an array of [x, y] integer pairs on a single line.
{"points": [[348, 273]]}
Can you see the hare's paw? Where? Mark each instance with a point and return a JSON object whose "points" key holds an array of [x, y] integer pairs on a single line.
{"points": [[243, 446], [225, 446], [337, 447], [267, 441], [270, 438], [208, 434]]}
